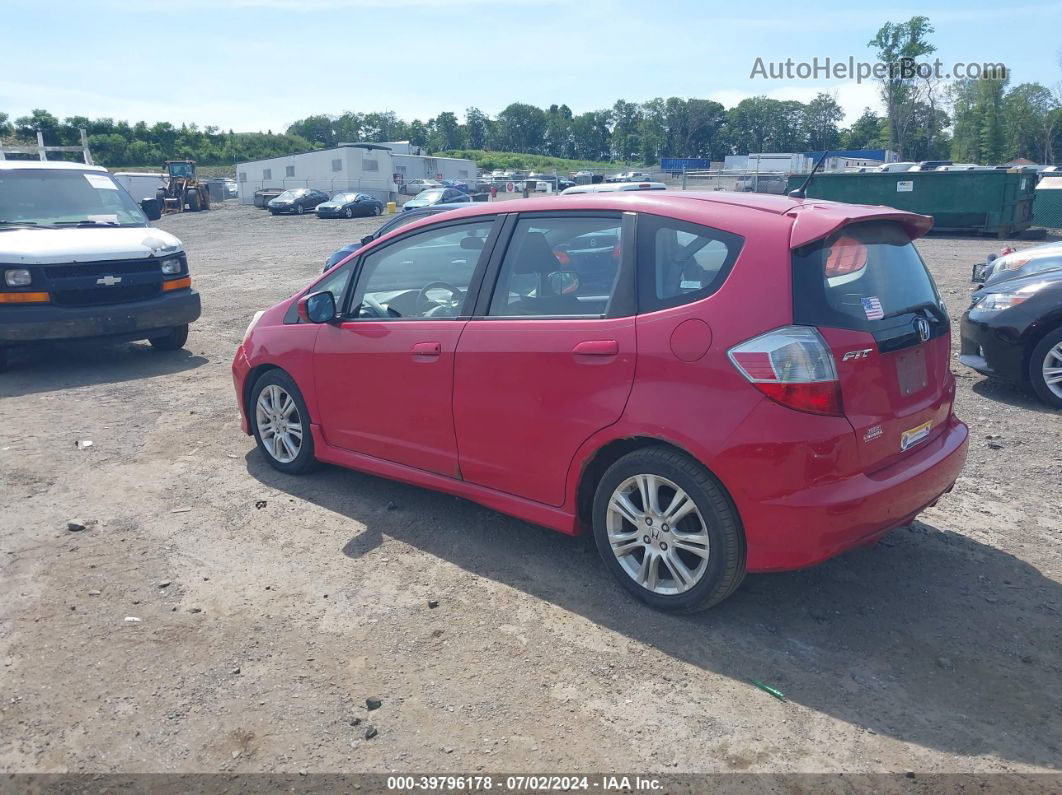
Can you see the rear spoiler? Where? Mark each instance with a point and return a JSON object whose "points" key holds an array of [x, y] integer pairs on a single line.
{"points": [[814, 222]]}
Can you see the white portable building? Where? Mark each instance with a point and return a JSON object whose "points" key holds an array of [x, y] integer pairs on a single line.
{"points": [[366, 168]]}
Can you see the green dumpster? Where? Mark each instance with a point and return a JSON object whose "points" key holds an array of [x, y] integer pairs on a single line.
{"points": [[1047, 209], [989, 201]]}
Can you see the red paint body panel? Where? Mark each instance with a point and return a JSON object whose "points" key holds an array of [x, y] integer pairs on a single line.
{"points": [[509, 414], [527, 393], [384, 389]]}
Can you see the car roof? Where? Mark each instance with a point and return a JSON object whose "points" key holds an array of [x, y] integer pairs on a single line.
{"points": [[62, 165], [809, 219]]}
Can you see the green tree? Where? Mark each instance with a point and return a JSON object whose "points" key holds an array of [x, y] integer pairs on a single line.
{"points": [[521, 128], [821, 116], [899, 45], [1027, 110], [866, 132], [477, 128]]}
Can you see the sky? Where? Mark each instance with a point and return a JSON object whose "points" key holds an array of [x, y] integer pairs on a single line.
{"points": [[262, 64]]}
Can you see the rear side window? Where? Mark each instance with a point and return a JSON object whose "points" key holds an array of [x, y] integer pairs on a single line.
{"points": [[860, 278], [681, 262]]}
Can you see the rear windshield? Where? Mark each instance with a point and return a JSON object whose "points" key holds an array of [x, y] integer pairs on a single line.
{"points": [[860, 277]]}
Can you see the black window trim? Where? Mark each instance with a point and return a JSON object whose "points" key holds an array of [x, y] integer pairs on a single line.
{"points": [[648, 225], [343, 313], [623, 300]]}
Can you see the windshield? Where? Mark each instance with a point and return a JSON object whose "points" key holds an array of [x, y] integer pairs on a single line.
{"points": [[430, 195], [340, 198], [47, 197]]}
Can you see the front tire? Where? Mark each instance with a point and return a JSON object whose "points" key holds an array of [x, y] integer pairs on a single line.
{"points": [[299, 209], [192, 199], [349, 212], [281, 423], [667, 531], [1045, 369], [173, 341]]}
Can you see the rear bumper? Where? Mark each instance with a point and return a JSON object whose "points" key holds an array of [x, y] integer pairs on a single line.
{"points": [[136, 320], [811, 525]]}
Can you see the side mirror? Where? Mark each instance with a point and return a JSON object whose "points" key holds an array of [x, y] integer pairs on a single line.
{"points": [[317, 308], [563, 282], [152, 209], [366, 240]]}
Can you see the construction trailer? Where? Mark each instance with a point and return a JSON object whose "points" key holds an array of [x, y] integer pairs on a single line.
{"points": [[363, 167], [141, 184]]}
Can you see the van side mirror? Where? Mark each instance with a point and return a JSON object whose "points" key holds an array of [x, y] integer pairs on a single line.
{"points": [[151, 208], [318, 307]]}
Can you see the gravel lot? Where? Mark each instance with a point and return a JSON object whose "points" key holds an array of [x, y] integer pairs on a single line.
{"points": [[271, 607]]}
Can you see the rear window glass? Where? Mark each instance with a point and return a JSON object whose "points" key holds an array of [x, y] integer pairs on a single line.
{"points": [[860, 277], [681, 262]]}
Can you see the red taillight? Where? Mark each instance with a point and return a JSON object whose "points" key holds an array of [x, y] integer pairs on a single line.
{"points": [[792, 366]]}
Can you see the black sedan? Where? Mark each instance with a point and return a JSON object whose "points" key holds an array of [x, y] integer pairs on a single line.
{"points": [[348, 205], [1013, 328], [296, 201]]}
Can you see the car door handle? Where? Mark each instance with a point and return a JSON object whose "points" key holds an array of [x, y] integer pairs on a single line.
{"points": [[426, 349], [596, 348]]}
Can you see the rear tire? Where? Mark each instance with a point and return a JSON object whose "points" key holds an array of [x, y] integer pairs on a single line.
{"points": [[173, 341], [699, 561], [1045, 363], [272, 417]]}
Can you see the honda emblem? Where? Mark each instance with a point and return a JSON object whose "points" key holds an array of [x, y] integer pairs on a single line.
{"points": [[923, 328]]}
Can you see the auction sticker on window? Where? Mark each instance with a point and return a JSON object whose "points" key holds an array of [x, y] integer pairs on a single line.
{"points": [[909, 439], [100, 182]]}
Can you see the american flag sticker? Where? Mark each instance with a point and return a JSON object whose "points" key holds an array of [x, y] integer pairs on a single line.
{"points": [[872, 308]]}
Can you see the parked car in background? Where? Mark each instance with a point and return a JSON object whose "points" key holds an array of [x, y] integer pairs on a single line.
{"points": [[737, 383], [457, 184], [1013, 327], [349, 205], [611, 187], [263, 196], [396, 221], [436, 196], [413, 187], [297, 201], [78, 260]]}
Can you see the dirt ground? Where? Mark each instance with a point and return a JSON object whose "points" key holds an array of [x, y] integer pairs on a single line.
{"points": [[270, 607]]}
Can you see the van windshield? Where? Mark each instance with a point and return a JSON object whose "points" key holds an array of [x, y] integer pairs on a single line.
{"points": [[56, 198]]}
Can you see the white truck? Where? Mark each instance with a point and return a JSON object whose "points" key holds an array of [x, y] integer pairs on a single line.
{"points": [[78, 260]]}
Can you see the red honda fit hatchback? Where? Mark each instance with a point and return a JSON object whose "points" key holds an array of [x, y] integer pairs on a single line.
{"points": [[710, 383]]}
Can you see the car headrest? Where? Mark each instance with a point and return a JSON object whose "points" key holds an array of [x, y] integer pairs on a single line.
{"points": [[472, 243], [535, 255]]}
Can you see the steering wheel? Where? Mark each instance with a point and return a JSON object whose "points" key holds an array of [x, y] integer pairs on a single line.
{"points": [[376, 307], [423, 301]]}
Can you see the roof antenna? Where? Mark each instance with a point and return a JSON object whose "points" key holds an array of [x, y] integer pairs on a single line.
{"points": [[802, 191]]}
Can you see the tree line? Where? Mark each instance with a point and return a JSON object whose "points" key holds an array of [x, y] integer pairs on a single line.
{"points": [[984, 120]]}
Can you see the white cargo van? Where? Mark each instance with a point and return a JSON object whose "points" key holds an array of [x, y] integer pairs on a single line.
{"points": [[78, 260]]}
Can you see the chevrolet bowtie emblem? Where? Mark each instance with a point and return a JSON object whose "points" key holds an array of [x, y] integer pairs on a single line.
{"points": [[109, 281]]}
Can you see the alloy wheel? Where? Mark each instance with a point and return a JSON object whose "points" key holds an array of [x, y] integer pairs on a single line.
{"points": [[279, 423], [657, 534], [1052, 370]]}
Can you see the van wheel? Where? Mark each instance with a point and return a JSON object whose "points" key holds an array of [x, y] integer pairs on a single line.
{"points": [[667, 531], [173, 341], [281, 423], [1045, 369]]}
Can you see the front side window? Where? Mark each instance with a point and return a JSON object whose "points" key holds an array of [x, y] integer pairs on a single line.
{"points": [[61, 197], [423, 276], [681, 262], [559, 267]]}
